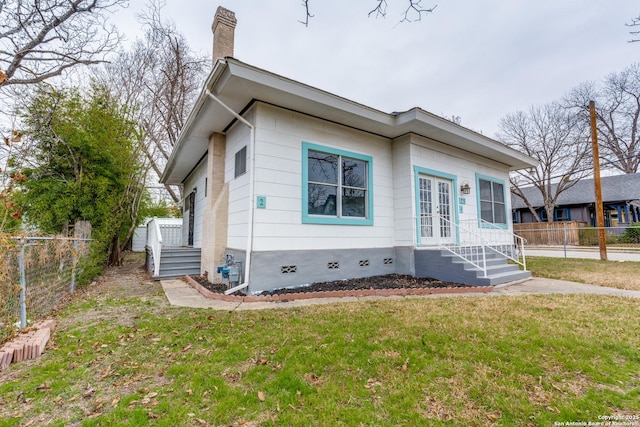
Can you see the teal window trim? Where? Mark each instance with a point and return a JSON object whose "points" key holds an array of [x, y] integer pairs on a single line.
{"points": [[417, 171], [331, 220], [504, 195]]}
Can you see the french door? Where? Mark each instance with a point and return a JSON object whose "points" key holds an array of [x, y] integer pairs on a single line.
{"points": [[436, 210]]}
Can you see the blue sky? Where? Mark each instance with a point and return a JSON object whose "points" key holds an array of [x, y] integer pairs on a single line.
{"points": [[475, 59]]}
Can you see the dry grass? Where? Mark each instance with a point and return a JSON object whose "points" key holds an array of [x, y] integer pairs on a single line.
{"points": [[621, 275], [122, 356]]}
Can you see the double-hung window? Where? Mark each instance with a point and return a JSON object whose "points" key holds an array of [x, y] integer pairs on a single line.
{"points": [[491, 197], [336, 186]]}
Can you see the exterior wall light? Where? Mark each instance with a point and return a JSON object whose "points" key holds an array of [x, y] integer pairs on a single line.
{"points": [[465, 188]]}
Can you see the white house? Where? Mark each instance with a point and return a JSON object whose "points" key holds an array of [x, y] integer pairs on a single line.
{"points": [[301, 185]]}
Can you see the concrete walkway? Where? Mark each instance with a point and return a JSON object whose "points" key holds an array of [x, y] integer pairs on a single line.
{"points": [[181, 294], [613, 253]]}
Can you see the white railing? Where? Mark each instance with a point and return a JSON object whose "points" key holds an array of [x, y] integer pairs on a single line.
{"points": [[509, 244], [154, 240], [171, 234], [471, 242]]}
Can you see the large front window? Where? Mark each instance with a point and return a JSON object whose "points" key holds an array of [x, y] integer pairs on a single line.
{"points": [[492, 201], [337, 186]]}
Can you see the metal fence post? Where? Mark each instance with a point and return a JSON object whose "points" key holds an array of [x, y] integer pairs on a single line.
{"points": [[74, 262], [23, 287]]}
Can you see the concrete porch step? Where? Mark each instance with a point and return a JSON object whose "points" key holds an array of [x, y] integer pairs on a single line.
{"points": [[443, 265]]}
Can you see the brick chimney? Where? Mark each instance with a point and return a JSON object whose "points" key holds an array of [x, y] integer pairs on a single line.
{"points": [[223, 27]]}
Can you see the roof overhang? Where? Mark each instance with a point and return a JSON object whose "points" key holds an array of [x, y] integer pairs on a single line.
{"points": [[238, 84]]}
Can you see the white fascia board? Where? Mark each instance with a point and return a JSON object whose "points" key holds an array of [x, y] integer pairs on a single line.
{"points": [[237, 84], [431, 126]]}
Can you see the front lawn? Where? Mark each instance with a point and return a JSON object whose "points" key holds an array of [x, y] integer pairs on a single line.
{"points": [[468, 361], [621, 275]]}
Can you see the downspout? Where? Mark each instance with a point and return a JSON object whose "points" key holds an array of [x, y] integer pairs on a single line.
{"points": [[252, 142]]}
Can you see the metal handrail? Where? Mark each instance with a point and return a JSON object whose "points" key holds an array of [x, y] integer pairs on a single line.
{"points": [[518, 241], [474, 245]]}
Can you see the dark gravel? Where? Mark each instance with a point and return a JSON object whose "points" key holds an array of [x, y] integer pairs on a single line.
{"points": [[390, 281]]}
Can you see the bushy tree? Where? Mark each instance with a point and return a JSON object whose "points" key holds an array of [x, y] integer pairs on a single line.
{"points": [[83, 165]]}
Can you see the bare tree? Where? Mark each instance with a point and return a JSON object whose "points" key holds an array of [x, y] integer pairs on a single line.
{"points": [[635, 22], [617, 102], [554, 136], [161, 77], [42, 39], [412, 12]]}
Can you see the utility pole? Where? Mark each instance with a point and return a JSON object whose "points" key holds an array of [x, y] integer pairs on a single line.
{"points": [[602, 238]]}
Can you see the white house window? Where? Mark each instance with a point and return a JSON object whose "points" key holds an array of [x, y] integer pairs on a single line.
{"points": [[241, 162], [337, 186], [492, 204]]}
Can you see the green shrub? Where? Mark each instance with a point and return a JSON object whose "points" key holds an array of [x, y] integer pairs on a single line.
{"points": [[588, 236], [631, 234]]}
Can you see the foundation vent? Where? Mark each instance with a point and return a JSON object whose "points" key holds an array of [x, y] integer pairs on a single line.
{"points": [[388, 261], [333, 265], [288, 269], [364, 263]]}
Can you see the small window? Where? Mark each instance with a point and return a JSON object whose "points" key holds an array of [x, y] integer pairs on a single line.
{"points": [[241, 162], [542, 213], [562, 214], [492, 201]]}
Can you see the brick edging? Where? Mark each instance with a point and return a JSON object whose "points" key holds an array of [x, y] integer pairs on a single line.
{"points": [[27, 345], [334, 294]]}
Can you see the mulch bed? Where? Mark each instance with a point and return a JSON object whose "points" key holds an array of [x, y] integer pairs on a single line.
{"points": [[386, 283]]}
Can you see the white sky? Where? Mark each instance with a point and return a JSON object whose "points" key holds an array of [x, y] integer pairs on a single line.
{"points": [[477, 59]]}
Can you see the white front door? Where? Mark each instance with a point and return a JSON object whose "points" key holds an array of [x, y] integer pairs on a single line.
{"points": [[436, 210]]}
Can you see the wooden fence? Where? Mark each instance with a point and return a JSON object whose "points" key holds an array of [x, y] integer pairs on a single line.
{"points": [[550, 233]]}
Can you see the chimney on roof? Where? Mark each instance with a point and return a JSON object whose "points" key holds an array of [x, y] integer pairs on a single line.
{"points": [[223, 27]]}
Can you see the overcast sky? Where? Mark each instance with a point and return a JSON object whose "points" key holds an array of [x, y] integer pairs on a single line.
{"points": [[475, 59]]}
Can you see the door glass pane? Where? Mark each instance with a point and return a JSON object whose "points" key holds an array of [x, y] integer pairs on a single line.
{"points": [[322, 200], [353, 202], [426, 208], [354, 173], [323, 168], [444, 200]]}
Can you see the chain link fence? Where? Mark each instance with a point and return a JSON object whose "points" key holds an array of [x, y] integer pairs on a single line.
{"points": [[36, 275], [577, 240]]}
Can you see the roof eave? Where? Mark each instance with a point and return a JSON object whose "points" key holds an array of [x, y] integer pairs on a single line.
{"points": [[243, 83]]}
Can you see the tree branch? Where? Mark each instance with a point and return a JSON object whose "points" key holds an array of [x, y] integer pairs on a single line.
{"points": [[305, 4]]}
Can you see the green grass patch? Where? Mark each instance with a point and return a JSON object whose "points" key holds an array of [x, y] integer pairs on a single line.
{"points": [[621, 275], [531, 360]]}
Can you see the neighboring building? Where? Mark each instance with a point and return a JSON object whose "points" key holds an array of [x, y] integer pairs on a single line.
{"points": [[300, 185], [620, 197]]}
